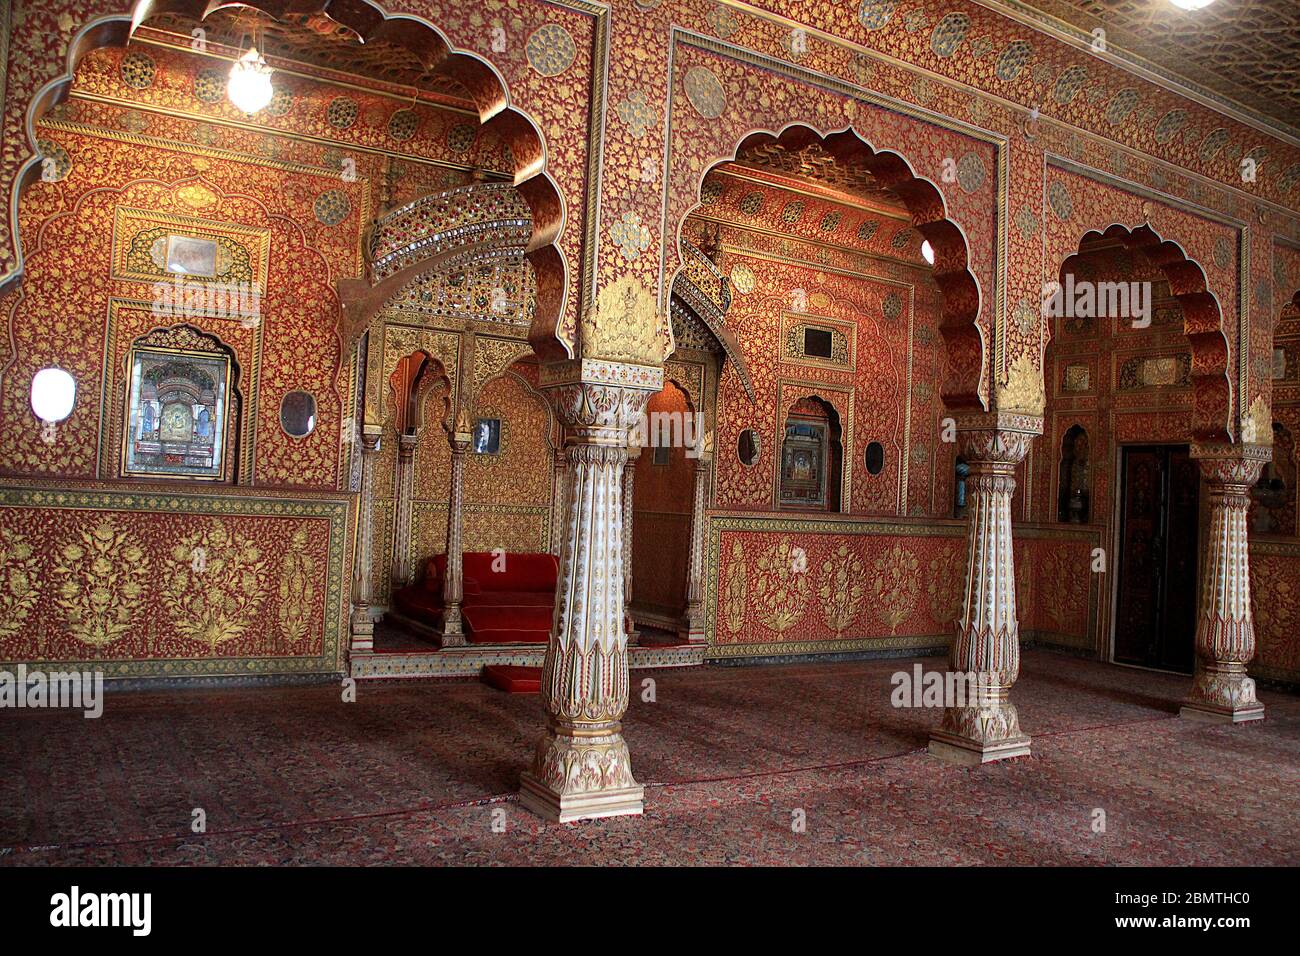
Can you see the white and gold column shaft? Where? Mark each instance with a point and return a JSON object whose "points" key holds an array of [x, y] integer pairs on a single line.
{"points": [[987, 641], [581, 767], [1225, 628]]}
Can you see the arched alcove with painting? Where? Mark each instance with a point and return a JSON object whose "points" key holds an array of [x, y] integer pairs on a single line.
{"points": [[811, 466]]}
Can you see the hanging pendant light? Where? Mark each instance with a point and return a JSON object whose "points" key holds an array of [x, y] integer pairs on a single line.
{"points": [[250, 82]]}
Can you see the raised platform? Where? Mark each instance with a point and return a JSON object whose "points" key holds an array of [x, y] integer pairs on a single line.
{"points": [[401, 654]]}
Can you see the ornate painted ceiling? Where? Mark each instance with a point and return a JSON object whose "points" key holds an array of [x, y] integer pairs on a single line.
{"points": [[315, 41], [1245, 51]]}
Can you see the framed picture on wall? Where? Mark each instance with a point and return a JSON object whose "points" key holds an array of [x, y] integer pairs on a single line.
{"points": [[176, 414]]}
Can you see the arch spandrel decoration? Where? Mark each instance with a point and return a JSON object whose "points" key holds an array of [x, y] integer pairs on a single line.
{"points": [[108, 24], [1202, 267]]}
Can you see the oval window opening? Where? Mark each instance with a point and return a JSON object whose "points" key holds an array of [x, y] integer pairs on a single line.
{"points": [[747, 447], [54, 391], [875, 457], [298, 414]]}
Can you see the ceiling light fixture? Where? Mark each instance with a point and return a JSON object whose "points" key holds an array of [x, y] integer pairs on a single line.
{"points": [[927, 251], [250, 82], [1191, 4]]}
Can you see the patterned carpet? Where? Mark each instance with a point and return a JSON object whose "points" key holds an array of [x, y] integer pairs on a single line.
{"points": [[412, 772]]}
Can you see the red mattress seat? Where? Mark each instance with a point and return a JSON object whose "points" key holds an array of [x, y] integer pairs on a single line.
{"points": [[508, 598]]}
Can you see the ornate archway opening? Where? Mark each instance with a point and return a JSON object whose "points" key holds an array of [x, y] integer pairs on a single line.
{"points": [[350, 38], [1135, 372], [896, 215]]}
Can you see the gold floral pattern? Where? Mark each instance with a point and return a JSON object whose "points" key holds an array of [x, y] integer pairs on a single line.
{"points": [[101, 576], [297, 588], [736, 591], [781, 587], [841, 589], [19, 584], [896, 585], [215, 586]]}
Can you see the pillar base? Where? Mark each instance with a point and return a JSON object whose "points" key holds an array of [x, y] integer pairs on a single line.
{"points": [[972, 753], [1222, 693], [1221, 716], [692, 633], [581, 775], [980, 734], [566, 808], [452, 632], [361, 632]]}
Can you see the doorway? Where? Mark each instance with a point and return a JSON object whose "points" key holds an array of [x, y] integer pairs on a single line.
{"points": [[1155, 618]]}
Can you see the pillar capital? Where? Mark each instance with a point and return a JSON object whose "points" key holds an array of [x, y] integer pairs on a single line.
{"points": [[996, 441], [598, 402], [1230, 465]]}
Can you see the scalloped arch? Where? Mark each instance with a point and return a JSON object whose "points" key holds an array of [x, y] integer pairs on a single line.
{"points": [[964, 351]]}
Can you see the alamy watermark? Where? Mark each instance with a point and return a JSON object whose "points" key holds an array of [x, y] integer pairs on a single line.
{"points": [[75, 690], [669, 430], [919, 688], [1106, 300]]}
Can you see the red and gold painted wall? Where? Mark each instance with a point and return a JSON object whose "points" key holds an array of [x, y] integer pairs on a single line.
{"points": [[609, 118]]}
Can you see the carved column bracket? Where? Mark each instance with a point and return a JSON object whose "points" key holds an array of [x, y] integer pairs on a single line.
{"points": [[581, 768], [1225, 630], [453, 582], [361, 623], [987, 641]]}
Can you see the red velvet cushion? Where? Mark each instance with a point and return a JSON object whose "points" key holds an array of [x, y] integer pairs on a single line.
{"points": [[508, 625], [521, 572]]}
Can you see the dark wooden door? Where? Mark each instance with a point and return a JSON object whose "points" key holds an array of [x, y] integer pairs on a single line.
{"points": [[1155, 622]]}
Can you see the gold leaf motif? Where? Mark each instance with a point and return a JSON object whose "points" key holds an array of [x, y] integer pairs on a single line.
{"points": [[297, 589], [841, 590], [19, 587], [101, 578], [1023, 391], [1257, 427], [627, 326], [943, 592], [736, 590], [216, 585], [896, 585], [781, 591]]}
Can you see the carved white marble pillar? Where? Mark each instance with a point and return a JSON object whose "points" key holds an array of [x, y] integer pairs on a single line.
{"points": [[987, 642], [558, 489], [629, 482], [453, 581], [361, 624], [692, 625], [581, 768], [1225, 629], [405, 487]]}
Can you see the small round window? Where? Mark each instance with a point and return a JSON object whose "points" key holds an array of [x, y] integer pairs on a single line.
{"points": [[54, 391], [747, 447], [875, 457], [298, 413]]}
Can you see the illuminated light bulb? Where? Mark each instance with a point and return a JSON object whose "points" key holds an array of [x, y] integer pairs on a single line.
{"points": [[1191, 4], [927, 251], [250, 82], [53, 392]]}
